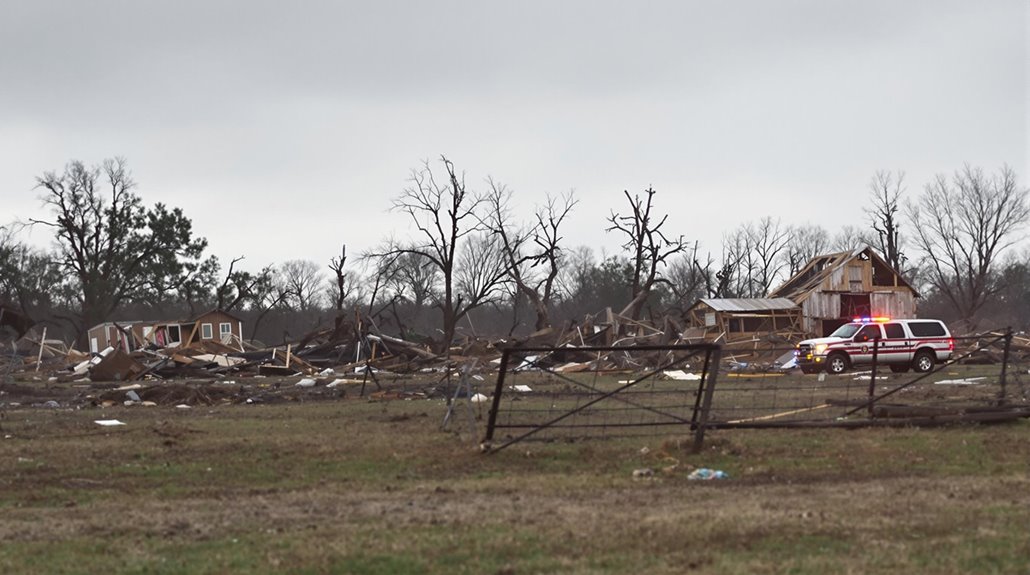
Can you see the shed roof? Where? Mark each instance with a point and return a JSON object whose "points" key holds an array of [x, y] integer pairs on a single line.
{"points": [[749, 304]]}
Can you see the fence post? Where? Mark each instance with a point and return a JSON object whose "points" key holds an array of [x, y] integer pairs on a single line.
{"points": [[1003, 393], [872, 377], [711, 371], [495, 405]]}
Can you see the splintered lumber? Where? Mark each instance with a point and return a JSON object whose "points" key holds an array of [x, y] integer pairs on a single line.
{"points": [[116, 366], [292, 361], [39, 358], [408, 346]]}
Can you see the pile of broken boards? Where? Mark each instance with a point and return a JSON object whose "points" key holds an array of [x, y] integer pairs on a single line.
{"points": [[323, 354], [988, 349]]}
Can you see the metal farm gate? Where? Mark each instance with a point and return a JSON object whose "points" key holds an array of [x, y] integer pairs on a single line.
{"points": [[571, 394]]}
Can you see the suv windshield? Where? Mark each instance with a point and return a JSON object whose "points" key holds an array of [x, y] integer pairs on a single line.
{"points": [[847, 330]]}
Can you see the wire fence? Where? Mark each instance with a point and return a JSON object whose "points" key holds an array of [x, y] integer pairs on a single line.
{"points": [[539, 396], [572, 394]]}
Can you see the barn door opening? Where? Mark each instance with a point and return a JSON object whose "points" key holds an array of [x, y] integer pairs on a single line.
{"points": [[855, 305]]}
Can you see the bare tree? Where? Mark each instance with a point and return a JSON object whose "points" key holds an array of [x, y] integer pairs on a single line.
{"points": [[338, 290], [850, 238], [301, 280], [649, 247], [532, 256], [444, 214], [481, 271], [345, 288], [961, 226], [415, 279], [884, 215], [265, 294], [688, 279], [805, 243], [757, 252], [240, 287], [768, 240]]}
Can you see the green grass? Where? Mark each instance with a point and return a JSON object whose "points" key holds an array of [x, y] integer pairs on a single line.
{"points": [[357, 487]]}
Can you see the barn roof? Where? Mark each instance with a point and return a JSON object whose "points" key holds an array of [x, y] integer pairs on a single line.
{"points": [[821, 267], [749, 304]]}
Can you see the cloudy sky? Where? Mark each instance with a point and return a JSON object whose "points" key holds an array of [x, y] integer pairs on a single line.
{"points": [[283, 129]]}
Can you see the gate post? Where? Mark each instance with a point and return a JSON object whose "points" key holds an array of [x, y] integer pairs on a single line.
{"points": [[713, 360], [495, 405], [872, 378], [1002, 393]]}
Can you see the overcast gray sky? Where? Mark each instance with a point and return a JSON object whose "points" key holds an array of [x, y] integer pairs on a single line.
{"points": [[283, 129]]}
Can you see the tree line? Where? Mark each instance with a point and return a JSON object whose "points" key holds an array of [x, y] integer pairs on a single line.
{"points": [[474, 265]]}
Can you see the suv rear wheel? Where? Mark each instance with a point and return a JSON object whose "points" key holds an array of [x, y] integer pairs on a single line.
{"points": [[837, 363], [923, 361]]}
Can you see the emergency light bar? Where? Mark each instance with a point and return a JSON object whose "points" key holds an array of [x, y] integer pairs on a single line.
{"points": [[870, 319]]}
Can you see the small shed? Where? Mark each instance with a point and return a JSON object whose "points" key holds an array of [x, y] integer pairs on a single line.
{"points": [[743, 318], [835, 288]]}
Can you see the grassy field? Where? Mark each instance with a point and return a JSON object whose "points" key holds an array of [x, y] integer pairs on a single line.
{"points": [[352, 486]]}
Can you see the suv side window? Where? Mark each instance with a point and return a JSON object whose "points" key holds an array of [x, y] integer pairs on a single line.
{"points": [[894, 331], [867, 333], [926, 328]]}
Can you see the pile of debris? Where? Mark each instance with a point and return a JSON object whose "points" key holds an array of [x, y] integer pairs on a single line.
{"points": [[328, 352]]}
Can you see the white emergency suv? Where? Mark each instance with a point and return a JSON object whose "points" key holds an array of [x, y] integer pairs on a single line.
{"points": [[902, 344]]}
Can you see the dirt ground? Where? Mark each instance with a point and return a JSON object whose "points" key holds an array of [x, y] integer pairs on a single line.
{"points": [[321, 480]]}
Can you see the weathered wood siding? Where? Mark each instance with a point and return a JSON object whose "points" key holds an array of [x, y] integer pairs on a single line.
{"points": [[895, 304]]}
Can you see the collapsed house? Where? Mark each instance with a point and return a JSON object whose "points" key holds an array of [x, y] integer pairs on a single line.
{"points": [[212, 325], [833, 289]]}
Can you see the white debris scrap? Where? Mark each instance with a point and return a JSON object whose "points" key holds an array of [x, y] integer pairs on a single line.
{"points": [[966, 381], [680, 375], [108, 422], [338, 382]]}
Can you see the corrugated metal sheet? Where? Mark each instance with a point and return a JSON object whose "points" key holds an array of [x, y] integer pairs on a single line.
{"points": [[749, 304]]}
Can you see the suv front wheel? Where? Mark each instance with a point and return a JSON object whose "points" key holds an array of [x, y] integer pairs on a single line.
{"points": [[837, 363]]}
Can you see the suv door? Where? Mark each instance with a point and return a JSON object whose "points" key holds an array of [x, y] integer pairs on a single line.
{"points": [[861, 348], [896, 347]]}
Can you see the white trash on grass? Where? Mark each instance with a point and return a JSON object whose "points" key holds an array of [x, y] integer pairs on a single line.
{"points": [[680, 375]]}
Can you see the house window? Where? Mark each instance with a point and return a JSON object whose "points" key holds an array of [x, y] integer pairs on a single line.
{"points": [[206, 331], [224, 329], [173, 334]]}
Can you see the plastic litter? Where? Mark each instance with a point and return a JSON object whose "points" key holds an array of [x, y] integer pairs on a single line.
{"points": [[643, 473], [705, 474], [108, 422]]}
